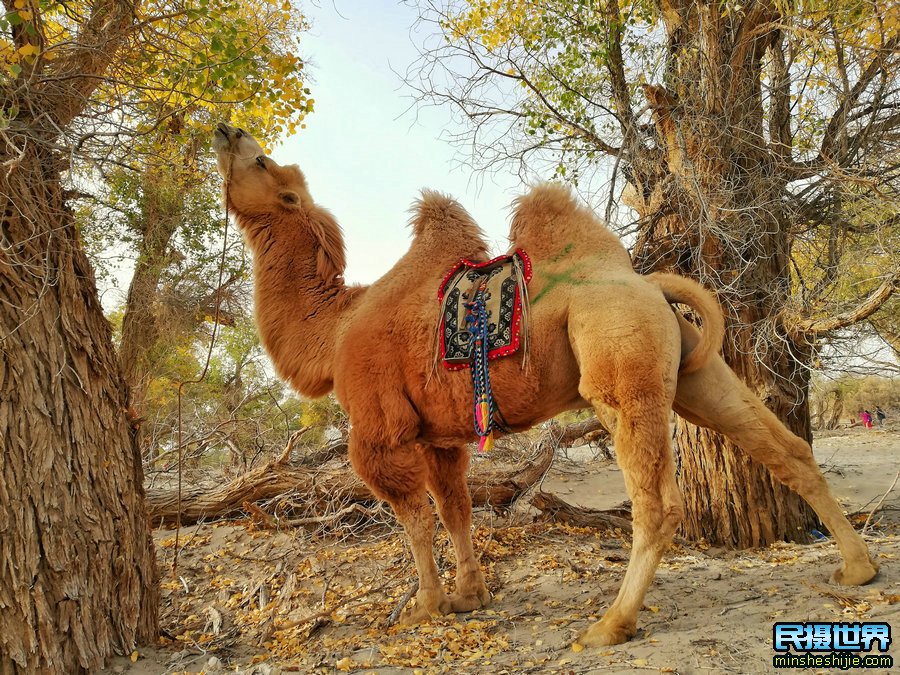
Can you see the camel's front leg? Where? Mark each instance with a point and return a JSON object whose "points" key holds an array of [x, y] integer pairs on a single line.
{"points": [[447, 484], [398, 476], [415, 514]]}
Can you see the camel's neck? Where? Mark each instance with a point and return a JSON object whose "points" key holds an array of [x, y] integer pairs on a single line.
{"points": [[298, 312]]}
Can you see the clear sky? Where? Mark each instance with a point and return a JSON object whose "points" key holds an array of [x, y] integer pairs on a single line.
{"points": [[367, 150]]}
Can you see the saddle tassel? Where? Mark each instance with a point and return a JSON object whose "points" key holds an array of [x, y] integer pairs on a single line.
{"points": [[483, 420]]}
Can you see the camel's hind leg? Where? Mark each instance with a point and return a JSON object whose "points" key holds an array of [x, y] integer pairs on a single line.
{"points": [[714, 397], [643, 453], [447, 484], [398, 476]]}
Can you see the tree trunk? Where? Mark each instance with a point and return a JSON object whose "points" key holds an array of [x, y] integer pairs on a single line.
{"points": [[78, 579], [837, 409], [729, 499], [161, 208], [556, 509], [711, 195]]}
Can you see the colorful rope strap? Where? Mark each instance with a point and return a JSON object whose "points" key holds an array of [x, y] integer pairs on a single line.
{"points": [[485, 408]]}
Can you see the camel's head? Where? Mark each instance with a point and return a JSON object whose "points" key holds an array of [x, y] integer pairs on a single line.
{"points": [[258, 190], [255, 185]]}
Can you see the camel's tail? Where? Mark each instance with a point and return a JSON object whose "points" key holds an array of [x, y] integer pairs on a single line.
{"points": [[687, 291]]}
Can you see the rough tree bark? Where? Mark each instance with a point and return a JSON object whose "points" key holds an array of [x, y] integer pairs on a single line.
{"points": [[692, 191], [557, 509], [77, 566]]}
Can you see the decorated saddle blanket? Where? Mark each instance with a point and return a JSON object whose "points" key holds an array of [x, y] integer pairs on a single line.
{"points": [[502, 285]]}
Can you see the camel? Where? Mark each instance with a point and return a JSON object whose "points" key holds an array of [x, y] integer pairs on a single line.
{"points": [[600, 336]]}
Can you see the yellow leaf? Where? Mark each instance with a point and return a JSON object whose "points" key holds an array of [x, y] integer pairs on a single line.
{"points": [[577, 647], [19, 4], [28, 50], [640, 662], [345, 664], [653, 609], [134, 656]]}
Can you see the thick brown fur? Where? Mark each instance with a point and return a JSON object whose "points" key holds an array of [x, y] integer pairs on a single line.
{"points": [[600, 335]]}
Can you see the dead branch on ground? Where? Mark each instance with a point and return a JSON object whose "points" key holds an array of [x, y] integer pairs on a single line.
{"points": [[880, 502], [554, 508], [590, 429], [318, 488]]}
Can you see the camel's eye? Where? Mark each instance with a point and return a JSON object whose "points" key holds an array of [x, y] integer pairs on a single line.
{"points": [[239, 133], [261, 162]]}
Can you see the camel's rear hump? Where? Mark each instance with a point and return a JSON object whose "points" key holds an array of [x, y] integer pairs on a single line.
{"points": [[549, 220]]}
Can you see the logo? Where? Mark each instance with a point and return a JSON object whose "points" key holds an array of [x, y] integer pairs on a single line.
{"points": [[831, 645]]}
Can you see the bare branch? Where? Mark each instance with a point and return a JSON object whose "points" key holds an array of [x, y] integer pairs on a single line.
{"points": [[870, 305], [837, 123]]}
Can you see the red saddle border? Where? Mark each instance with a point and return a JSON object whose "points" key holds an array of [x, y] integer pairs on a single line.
{"points": [[517, 308]]}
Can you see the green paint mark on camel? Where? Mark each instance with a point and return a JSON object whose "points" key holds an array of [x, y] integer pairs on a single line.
{"points": [[565, 277]]}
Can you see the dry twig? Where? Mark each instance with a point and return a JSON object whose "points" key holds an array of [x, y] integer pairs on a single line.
{"points": [[880, 502]]}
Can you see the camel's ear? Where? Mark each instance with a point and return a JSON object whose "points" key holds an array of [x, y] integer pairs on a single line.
{"points": [[330, 259], [289, 198]]}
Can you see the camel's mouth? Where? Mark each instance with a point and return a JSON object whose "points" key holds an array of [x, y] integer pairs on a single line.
{"points": [[236, 141], [221, 137]]}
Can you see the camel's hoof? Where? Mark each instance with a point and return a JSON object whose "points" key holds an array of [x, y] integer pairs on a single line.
{"points": [[605, 633], [414, 615], [857, 576], [423, 612], [470, 601]]}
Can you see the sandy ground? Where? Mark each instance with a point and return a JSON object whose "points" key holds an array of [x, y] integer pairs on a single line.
{"points": [[268, 602], [859, 466]]}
